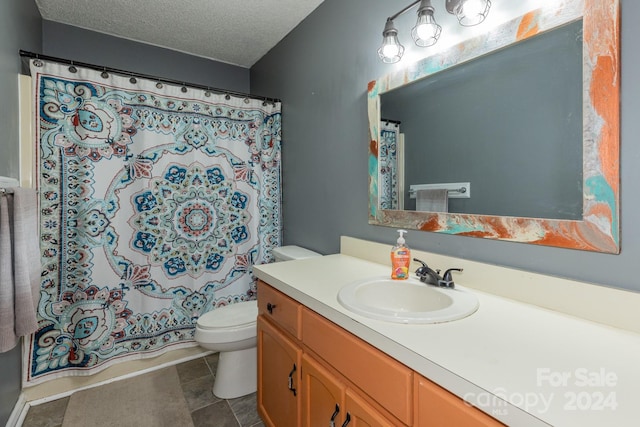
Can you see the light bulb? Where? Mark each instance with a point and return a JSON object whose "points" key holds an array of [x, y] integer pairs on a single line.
{"points": [[390, 50], [473, 12], [426, 31], [473, 7]]}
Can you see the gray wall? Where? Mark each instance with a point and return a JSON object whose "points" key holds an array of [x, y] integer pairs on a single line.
{"points": [[20, 28], [64, 41], [479, 122], [321, 72]]}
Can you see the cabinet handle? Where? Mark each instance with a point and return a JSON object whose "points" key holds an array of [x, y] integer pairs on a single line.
{"points": [[332, 423], [270, 307], [347, 420], [293, 390]]}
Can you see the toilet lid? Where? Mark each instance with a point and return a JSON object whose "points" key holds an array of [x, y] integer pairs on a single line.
{"points": [[233, 315], [290, 252]]}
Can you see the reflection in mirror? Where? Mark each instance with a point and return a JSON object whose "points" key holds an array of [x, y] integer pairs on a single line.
{"points": [[535, 136], [509, 122], [391, 165]]}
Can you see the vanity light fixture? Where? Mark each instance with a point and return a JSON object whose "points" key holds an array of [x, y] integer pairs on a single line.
{"points": [[427, 31]]}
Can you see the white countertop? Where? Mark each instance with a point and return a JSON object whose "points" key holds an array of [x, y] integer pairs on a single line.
{"points": [[552, 368]]}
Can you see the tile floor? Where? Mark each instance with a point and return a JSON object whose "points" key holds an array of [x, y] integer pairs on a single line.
{"points": [[196, 380]]}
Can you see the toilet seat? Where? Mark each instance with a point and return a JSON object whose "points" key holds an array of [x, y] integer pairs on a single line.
{"points": [[224, 328], [238, 315]]}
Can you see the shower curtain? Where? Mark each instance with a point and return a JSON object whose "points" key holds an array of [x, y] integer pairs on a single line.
{"points": [[388, 158], [155, 203]]}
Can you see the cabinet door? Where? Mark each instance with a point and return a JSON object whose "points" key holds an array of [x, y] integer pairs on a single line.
{"points": [[361, 414], [322, 396], [384, 379], [436, 407], [279, 361]]}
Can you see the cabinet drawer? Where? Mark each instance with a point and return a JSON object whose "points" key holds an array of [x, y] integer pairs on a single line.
{"points": [[279, 308], [436, 407], [384, 379]]}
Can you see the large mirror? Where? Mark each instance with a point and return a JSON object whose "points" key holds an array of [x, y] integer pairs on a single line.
{"points": [[520, 124]]}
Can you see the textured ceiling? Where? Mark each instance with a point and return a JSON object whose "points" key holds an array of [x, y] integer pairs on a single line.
{"points": [[237, 32]]}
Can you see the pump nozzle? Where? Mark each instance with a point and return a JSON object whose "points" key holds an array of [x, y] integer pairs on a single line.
{"points": [[401, 238]]}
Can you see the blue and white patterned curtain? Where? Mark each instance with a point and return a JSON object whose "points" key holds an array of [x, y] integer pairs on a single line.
{"points": [[388, 159], [155, 202]]}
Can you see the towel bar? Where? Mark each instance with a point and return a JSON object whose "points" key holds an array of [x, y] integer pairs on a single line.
{"points": [[456, 190]]}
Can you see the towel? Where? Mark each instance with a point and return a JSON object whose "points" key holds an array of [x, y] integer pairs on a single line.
{"points": [[20, 266], [432, 200]]}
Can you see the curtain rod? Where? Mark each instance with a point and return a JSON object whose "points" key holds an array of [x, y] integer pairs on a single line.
{"points": [[32, 55]]}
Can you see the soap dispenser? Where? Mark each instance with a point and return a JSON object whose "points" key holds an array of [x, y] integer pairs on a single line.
{"points": [[400, 258]]}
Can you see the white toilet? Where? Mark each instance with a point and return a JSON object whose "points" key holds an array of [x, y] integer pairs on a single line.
{"points": [[286, 253], [231, 330]]}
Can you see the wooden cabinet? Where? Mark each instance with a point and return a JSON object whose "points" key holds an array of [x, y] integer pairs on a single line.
{"points": [[328, 401], [377, 375], [279, 361], [280, 309], [312, 372], [362, 414], [322, 395], [436, 407]]}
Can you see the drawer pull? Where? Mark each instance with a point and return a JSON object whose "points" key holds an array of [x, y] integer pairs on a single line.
{"points": [[332, 423], [347, 420], [293, 390], [270, 307]]}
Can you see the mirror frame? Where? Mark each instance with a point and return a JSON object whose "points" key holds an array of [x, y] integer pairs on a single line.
{"points": [[599, 228]]}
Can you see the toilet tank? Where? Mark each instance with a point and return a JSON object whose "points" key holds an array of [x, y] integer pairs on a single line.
{"points": [[286, 253]]}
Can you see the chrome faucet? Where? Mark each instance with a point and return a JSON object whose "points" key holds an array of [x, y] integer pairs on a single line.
{"points": [[432, 277]]}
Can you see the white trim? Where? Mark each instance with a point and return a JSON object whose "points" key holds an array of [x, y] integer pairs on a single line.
{"points": [[27, 134]]}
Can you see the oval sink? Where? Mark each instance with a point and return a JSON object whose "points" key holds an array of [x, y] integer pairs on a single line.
{"points": [[406, 301]]}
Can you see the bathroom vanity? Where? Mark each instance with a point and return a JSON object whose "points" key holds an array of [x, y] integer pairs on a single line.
{"points": [[509, 363], [333, 376]]}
